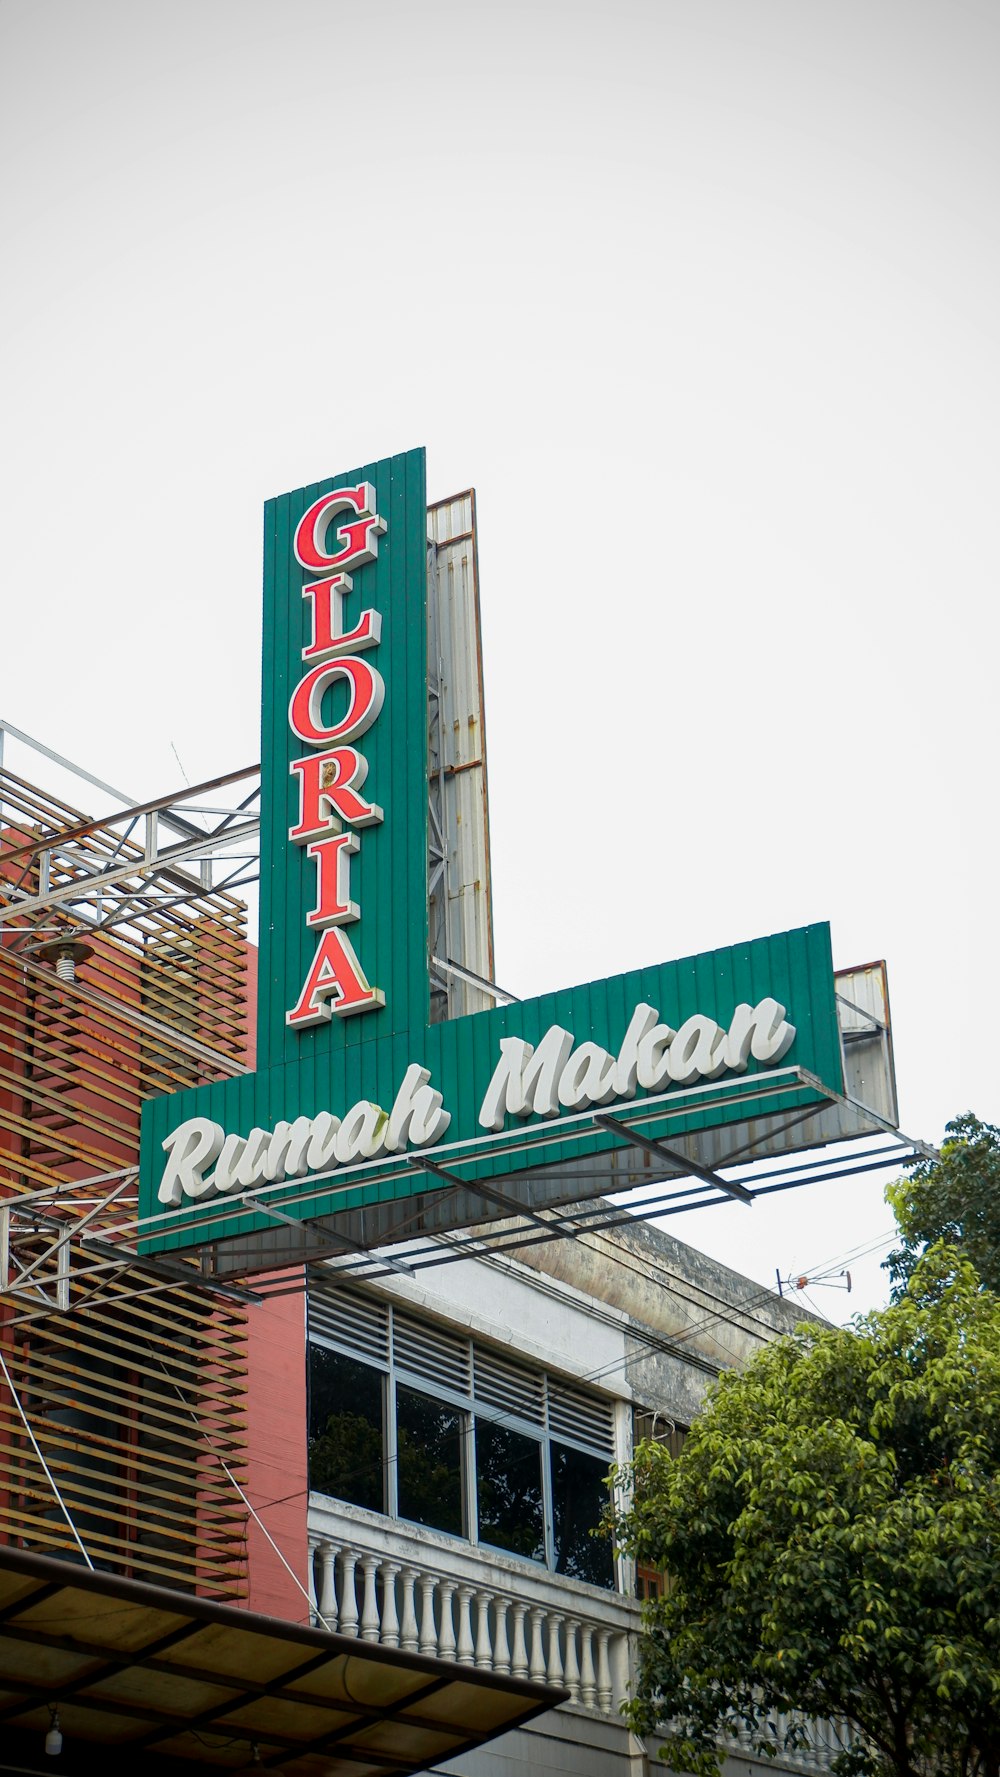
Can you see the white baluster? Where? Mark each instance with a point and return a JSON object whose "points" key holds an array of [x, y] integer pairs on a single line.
{"points": [[428, 1630], [536, 1670], [588, 1677], [572, 1667], [465, 1650], [390, 1621], [446, 1633], [311, 1581], [348, 1600], [554, 1674], [501, 1647], [605, 1692], [369, 1604], [823, 1744], [484, 1652], [519, 1657], [820, 1749], [328, 1583], [408, 1626]]}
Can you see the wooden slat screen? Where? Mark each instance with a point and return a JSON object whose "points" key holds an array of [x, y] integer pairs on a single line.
{"points": [[136, 1394]]}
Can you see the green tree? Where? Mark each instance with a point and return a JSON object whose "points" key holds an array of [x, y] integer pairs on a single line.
{"points": [[955, 1198], [831, 1533]]}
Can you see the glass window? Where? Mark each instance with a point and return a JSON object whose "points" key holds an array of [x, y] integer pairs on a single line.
{"points": [[395, 1446], [579, 1495], [346, 1429], [429, 1438], [509, 1490]]}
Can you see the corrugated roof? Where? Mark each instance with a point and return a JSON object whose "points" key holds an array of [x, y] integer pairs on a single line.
{"points": [[160, 1681]]}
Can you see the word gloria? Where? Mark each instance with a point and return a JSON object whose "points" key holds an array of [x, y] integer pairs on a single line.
{"points": [[557, 1076], [330, 777]]}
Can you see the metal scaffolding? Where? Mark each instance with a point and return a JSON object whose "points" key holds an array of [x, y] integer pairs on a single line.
{"points": [[124, 973]]}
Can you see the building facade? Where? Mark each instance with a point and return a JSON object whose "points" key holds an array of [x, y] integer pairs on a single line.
{"points": [[462, 1421], [407, 1448], [361, 1372]]}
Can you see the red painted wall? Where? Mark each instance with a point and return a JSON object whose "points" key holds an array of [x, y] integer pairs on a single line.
{"points": [[277, 1484], [277, 1478]]}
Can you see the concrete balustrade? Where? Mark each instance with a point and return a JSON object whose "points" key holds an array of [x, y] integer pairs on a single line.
{"points": [[825, 1740], [415, 1590], [357, 1591]]}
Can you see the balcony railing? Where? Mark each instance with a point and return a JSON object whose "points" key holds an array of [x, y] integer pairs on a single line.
{"points": [[472, 1607], [826, 1739], [417, 1590]]}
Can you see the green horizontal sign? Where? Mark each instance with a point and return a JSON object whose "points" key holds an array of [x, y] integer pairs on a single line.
{"points": [[746, 1031]]}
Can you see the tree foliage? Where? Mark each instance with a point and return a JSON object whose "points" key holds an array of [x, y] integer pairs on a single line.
{"points": [[955, 1198], [831, 1533]]}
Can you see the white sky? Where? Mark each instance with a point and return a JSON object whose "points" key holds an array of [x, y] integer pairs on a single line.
{"points": [[703, 299]]}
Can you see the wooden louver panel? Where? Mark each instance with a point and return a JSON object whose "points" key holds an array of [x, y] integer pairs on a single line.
{"points": [[136, 1394]]}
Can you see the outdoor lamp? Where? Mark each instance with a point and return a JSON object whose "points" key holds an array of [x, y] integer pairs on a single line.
{"points": [[53, 1739]]}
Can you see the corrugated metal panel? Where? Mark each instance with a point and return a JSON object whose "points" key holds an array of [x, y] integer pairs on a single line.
{"points": [[389, 873], [862, 1001], [866, 1027], [795, 967], [461, 919]]}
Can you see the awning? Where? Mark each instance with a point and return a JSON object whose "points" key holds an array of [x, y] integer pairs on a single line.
{"points": [[159, 1681]]}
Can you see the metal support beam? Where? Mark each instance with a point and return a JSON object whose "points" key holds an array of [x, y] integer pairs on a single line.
{"points": [[86, 887], [320, 1229], [489, 1193], [498, 993], [675, 1159]]}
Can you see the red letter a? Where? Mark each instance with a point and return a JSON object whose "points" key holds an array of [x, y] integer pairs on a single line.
{"points": [[335, 976]]}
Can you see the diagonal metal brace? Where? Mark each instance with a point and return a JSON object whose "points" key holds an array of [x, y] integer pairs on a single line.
{"points": [[488, 1193], [319, 1229], [674, 1159]]}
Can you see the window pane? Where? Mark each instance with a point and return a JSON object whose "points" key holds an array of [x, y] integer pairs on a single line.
{"points": [[579, 1495], [509, 1490], [346, 1437], [429, 1446]]}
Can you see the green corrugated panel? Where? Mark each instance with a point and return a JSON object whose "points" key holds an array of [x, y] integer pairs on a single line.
{"points": [[794, 967], [389, 873]]}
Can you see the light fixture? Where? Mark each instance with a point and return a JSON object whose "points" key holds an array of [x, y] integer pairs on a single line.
{"points": [[66, 953], [53, 1739]]}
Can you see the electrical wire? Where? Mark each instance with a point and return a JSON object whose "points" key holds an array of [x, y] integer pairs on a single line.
{"points": [[231, 1478], [15, 1397], [662, 1344]]}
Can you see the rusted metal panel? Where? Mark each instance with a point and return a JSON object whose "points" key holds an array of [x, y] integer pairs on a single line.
{"points": [[866, 1028], [461, 907]]}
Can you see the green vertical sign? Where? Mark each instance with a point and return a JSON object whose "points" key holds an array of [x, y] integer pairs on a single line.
{"points": [[343, 897]]}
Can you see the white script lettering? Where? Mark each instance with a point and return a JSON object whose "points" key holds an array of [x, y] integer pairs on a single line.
{"points": [[536, 1082]]}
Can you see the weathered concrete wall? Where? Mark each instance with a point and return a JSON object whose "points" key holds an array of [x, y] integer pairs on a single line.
{"points": [[666, 1285]]}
